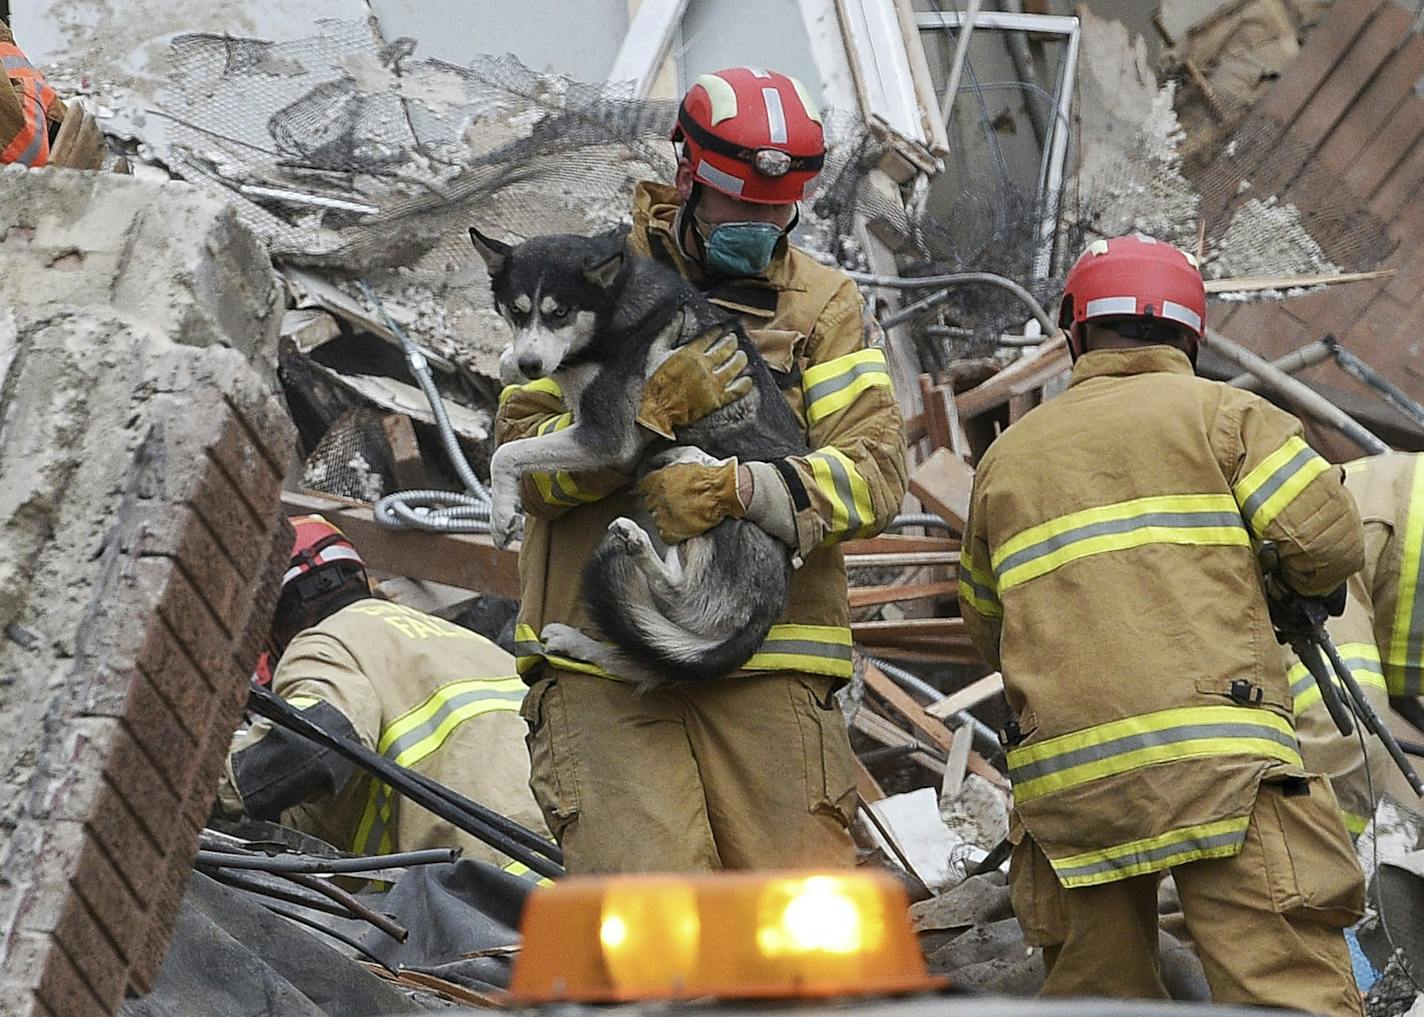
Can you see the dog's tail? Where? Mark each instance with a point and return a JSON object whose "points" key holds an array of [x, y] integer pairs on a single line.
{"points": [[705, 623]]}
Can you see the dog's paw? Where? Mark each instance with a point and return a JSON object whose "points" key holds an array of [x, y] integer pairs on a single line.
{"points": [[505, 525], [683, 454], [564, 640], [632, 536]]}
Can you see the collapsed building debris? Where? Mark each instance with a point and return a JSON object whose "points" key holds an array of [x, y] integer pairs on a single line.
{"points": [[141, 456]]}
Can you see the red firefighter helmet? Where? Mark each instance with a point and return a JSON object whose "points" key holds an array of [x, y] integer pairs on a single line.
{"points": [[752, 134], [318, 544], [1133, 276]]}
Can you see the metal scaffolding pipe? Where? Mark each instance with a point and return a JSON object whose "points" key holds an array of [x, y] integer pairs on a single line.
{"points": [[947, 282], [1307, 356], [1361, 371], [1308, 399]]}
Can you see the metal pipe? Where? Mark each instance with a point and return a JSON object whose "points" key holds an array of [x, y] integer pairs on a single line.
{"points": [[1299, 360], [1283, 384], [911, 682], [391, 928], [312, 865], [961, 56], [951, 280], [1361, 371], [923, 519], [1026, 68]]}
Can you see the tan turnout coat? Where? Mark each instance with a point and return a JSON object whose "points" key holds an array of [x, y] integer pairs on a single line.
{"points": [[1109, 571]]}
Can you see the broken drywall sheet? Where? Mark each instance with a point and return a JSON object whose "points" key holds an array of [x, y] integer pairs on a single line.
{"points": [[1129, 171]]}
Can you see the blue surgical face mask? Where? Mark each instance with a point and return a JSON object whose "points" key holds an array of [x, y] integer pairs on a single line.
{"points": [[738, 250]]}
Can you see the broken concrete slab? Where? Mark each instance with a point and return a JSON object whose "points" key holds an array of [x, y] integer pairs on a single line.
{"points": [[143, 543], [166, 258]]}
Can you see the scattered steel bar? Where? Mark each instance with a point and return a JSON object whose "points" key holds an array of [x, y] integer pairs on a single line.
{"points": [[306, 198], [949, 281], [1361, 371], [1005, 338], [1307, 398], [391, 928], [1299, 360], [247, 884], [313, 865]]}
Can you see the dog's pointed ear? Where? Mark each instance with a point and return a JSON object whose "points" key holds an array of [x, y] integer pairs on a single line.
{"points": [[495, 252], [604, 272]]}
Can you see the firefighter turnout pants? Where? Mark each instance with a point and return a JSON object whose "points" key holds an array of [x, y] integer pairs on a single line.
{"points": [[742, 773], [1268, 923]]}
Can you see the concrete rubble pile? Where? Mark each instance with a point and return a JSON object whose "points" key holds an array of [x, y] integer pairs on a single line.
{"points": [[141, 456]]}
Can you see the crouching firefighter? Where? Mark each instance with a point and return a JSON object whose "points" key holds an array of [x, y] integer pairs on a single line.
{"points": [[1108, 569], [425, 693], [753, 770], [1380, 636]]}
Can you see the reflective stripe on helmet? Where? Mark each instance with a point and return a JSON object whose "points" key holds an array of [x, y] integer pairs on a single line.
{"points": [[775, 115], [710, 174], [325, 556], [1185, 315], [1104, 306]]}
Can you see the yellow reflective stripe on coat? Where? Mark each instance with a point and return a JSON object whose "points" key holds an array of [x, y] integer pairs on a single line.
{"points": [[1354, 822], [977, 589], [834, 385], [1362, 659], [1275, 482], [1220, 839], [302, 702], [1403, 652], [812, 649], [420, 731], [559, 488], [1166, 736], [1192, 519], [546, 385], [836, 477], [527, 874]]}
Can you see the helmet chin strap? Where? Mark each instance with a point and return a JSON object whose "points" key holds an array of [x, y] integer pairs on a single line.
{"points": [[682, 225]]}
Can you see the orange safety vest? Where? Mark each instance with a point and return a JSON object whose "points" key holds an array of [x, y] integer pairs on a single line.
{"points": [[31, 145]]}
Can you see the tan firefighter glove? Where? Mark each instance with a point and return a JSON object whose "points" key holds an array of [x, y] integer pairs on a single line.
{"points": [[689, 498], [703, 376]]}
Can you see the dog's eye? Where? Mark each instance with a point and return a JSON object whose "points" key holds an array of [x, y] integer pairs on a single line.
{"points": [[559, 313]]}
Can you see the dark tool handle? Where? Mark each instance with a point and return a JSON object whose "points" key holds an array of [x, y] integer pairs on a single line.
{"points": [[1309, 653], [476, 823], [1368, 717]]}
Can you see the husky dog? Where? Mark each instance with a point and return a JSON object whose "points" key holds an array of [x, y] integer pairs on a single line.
{"points": [[599, 322]]}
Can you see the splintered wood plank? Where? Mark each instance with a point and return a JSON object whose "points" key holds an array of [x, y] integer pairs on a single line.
{"points": [[968, 697], [869, 596], [1327, 46], [865, 783], [949, 629], [1348, 78], [943, 482], [883, 686], [1349, 142]]}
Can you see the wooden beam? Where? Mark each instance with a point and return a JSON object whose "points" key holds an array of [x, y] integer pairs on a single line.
{"points": [[869, 596], [943, 482], [899, 543], [969, 696], [1021, 376], [878, 682], [405, 450], [865, 783], [914, 628], [467, 560]]}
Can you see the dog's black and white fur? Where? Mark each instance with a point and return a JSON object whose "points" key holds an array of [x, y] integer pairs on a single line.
{"points": [[600, 322]]}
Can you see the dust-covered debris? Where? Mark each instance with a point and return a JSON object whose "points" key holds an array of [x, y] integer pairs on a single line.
{"points": [[1266, 238]]}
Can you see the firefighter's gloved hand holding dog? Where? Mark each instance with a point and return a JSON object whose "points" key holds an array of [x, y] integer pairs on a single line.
{"points": [[702, 383]]}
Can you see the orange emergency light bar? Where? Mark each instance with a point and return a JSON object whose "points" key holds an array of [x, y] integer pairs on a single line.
{"points": [[780, 934]]}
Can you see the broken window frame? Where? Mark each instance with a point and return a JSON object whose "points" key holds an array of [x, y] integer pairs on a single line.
{"points": [[1055, 155]]}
